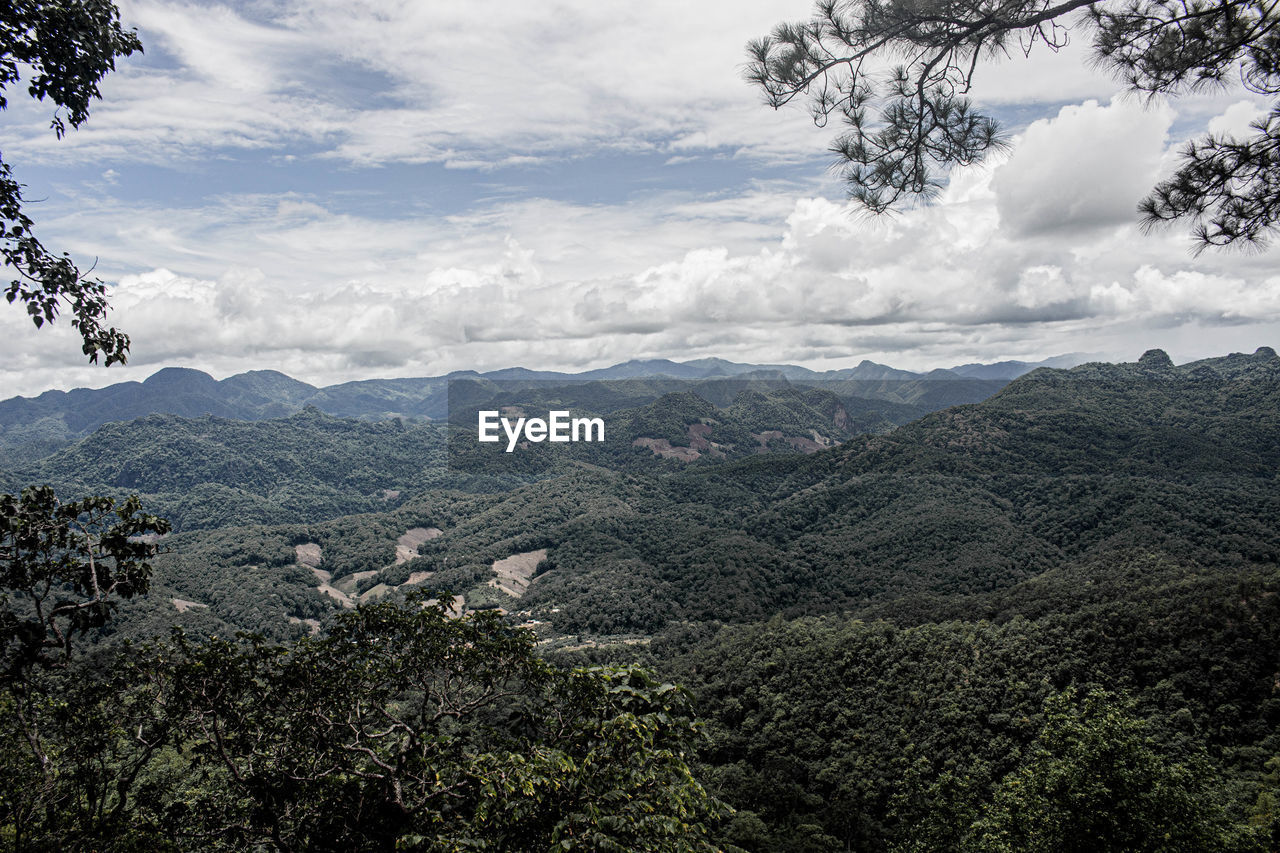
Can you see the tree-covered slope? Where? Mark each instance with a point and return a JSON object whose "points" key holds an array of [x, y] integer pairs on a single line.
{"points": [[830, 733], [32, 427], [55, 418], [1044, 620], [1058, 469], [211, 472]]}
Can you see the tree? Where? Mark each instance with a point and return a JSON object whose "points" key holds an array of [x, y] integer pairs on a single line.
{"points": [[1094, 782], [1266, 811], [905, 128], [72, 745], [66, 48], [63, 568], [403, 728], [64, 756]]}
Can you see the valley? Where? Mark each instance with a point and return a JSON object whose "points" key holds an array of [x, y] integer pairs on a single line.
{"points": [[875, 622]]}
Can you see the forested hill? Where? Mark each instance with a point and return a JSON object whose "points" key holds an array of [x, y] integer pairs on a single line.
{"points": [[36, 426], [213, 472], [1048, 620], [1059, 467], [1062, 467], [978, 712], [1143, 418]]}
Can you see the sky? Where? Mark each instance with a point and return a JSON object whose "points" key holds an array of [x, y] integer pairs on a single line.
{"points": [[351, 190]]}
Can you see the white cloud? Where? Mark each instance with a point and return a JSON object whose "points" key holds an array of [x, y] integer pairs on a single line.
{"points": [[1043, 76], [1031, 254], [502, 84], [329, 298], [1087, 168], [1235, 121], [473, 87]]}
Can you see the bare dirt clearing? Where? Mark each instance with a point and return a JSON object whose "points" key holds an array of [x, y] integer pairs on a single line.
{"points": [[348, 584], [375, 592], [804, 445], [313, 624], [516, 572], [662, 447], [699, 443], [184, 605], [336, 594], [407, 545], [308, 555]]}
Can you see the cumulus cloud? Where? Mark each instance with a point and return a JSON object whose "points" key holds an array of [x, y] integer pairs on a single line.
{"points": [[1236, 120], [1032, 254], [814, 284], [1086, 168]]}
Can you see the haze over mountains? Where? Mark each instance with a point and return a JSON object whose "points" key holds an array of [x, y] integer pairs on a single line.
{"points": [[35, 426], [1058, 469]]}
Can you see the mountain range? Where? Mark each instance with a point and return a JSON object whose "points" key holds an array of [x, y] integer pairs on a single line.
{"points": [[889, 638], [1058, 469], [33, 427]]}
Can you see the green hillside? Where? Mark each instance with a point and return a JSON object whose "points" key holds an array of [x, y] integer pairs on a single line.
{"points": [[1044, 620], [33, 427], [1059, 468], [213, 472]]}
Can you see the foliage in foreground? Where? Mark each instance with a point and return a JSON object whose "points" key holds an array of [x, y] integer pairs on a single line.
{"points": [[64, 566], [1103, 703], [398, 729], [65, 49]]}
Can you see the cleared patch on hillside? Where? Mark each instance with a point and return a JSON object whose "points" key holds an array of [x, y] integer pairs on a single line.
{"points": [[699, 443], [375, 592], [407, 545], [336, 594], [763, 439], [804, 445], [662, 447], [516, 572], [455, 608], [700, 440], [313, 624], [307, 554], [184, 605], [349, 583]]}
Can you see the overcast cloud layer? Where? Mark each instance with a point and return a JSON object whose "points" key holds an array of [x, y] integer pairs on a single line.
{"points": [[349, 190]]}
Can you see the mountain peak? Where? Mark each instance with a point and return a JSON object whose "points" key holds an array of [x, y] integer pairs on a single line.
{"points": [[1155, 358], [173, 377]]}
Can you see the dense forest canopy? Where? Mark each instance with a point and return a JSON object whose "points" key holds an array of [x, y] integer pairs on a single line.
{"points": [[924, 639], [856, 611]]}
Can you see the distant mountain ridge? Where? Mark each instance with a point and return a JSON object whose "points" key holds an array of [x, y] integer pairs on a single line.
{"points": [[31, 427], [1067, 471]]}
